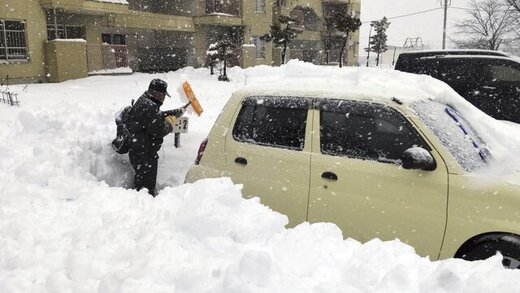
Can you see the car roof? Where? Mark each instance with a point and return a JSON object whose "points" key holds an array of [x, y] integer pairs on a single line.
{"points": [[321, 88], [473, 52], [320, 94], [355, 83], [468, 57]]}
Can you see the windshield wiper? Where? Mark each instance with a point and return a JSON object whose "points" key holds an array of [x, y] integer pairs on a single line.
{"points": [[461, 123]]}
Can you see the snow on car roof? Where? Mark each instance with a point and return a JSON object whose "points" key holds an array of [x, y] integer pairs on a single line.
{"points": [[300, 78]]}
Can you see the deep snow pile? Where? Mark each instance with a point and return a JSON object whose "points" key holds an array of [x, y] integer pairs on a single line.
{"points": [[66, 225]]}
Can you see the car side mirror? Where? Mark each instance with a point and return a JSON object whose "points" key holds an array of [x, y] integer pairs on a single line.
{"points": [[418, 158]]}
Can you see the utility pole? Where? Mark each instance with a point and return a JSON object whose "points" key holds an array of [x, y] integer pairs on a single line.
{"points": [[445, 22]]}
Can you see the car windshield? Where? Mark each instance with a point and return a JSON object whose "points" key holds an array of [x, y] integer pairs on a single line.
{"points": [[455, 133]]}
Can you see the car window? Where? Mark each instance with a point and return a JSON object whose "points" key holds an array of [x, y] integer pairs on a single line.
{"points": [[272, 121], [450, 69], [365, 131], [501, 71], [454, 132]]}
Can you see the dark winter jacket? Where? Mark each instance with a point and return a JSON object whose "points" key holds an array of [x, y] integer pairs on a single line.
{"points": [[147, 126]]}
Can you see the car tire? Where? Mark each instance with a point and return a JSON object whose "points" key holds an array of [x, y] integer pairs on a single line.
{"points": [[510, 250]]}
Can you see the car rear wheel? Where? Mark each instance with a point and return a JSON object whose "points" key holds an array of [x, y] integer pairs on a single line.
{"points": [[510, 250]]}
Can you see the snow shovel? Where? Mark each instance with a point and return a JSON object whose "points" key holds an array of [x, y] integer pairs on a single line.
{"points": [[191, 97]]}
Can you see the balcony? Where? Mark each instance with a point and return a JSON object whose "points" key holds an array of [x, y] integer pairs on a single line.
{"points": [[85, 6], [226, 7], [222, 13]]}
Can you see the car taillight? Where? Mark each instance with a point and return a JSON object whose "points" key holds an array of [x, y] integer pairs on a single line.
{"points": [[202, 148]]}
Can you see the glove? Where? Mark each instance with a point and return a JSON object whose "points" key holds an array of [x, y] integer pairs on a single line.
{"points": [[171, 119]]}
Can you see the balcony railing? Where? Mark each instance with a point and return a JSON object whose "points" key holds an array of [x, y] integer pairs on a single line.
{"points": [[231, 7]]}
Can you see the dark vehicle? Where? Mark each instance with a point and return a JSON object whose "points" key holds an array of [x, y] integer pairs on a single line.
{"points": [[489, 80]]}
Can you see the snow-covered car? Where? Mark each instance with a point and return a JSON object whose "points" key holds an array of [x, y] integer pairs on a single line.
{"points": [[377, 165]]}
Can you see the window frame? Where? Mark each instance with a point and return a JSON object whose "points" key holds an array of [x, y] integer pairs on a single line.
{"points": [[75, 26], [5, 46], [332, 106], [51, 28], [260, 47], [299, 103], [260, 6]]}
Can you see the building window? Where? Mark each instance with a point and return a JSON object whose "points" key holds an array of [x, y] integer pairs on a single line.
{"points": [[55, 32], [113, 39], [61, 31], [13, 45], [75, 32], [260, 50], [260, 5]]}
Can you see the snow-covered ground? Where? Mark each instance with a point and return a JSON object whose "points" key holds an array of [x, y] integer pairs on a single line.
{"points": [[67, 225]]}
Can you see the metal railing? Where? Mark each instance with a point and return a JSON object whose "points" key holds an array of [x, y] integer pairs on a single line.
{"points": [[106, 56], [231, 7], [13, 45], [10, 98]]}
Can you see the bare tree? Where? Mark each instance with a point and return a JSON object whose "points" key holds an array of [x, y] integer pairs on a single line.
{"points": [[283, 32], [490, 24], [514, 4]]}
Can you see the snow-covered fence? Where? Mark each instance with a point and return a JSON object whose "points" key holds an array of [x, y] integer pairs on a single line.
{"points": [[10, 98]]}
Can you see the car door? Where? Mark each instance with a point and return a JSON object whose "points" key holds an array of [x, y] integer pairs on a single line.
{"points": [[357, 182], [269, 153]]}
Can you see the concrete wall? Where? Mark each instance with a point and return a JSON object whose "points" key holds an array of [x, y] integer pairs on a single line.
{"points": [[257, 23], [66, 60], [32, 70]]}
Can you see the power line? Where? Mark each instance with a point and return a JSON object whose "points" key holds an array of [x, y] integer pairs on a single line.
{"points": [[430, 10], [410, 14]]}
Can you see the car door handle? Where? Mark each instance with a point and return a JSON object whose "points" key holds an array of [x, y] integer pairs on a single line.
{"points": [[241, 161], [329, 175]]}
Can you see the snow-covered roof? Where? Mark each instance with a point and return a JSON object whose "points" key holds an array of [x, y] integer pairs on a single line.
{"points": [[302, 78]]}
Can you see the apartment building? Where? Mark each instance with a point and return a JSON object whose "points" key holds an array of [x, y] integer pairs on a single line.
{"points": [[57, 40]]}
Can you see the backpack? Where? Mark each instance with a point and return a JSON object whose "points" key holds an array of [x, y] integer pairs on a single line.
{"points": [[121, 144]]}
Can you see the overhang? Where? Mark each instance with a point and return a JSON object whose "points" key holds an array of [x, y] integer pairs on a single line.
{"points": [[85, 6], [218, 19]]}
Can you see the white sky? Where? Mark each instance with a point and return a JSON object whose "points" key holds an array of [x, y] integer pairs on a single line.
{"points": [[428, 25]]}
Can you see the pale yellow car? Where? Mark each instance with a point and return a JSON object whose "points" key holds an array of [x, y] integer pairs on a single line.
{"points": [[377, 166]]}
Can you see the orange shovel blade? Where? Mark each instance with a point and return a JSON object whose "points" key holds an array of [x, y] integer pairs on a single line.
{"points": [[191, 96]]}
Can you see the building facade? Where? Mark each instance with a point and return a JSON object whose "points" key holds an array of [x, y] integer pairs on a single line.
{"points": [[57, 40]]}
